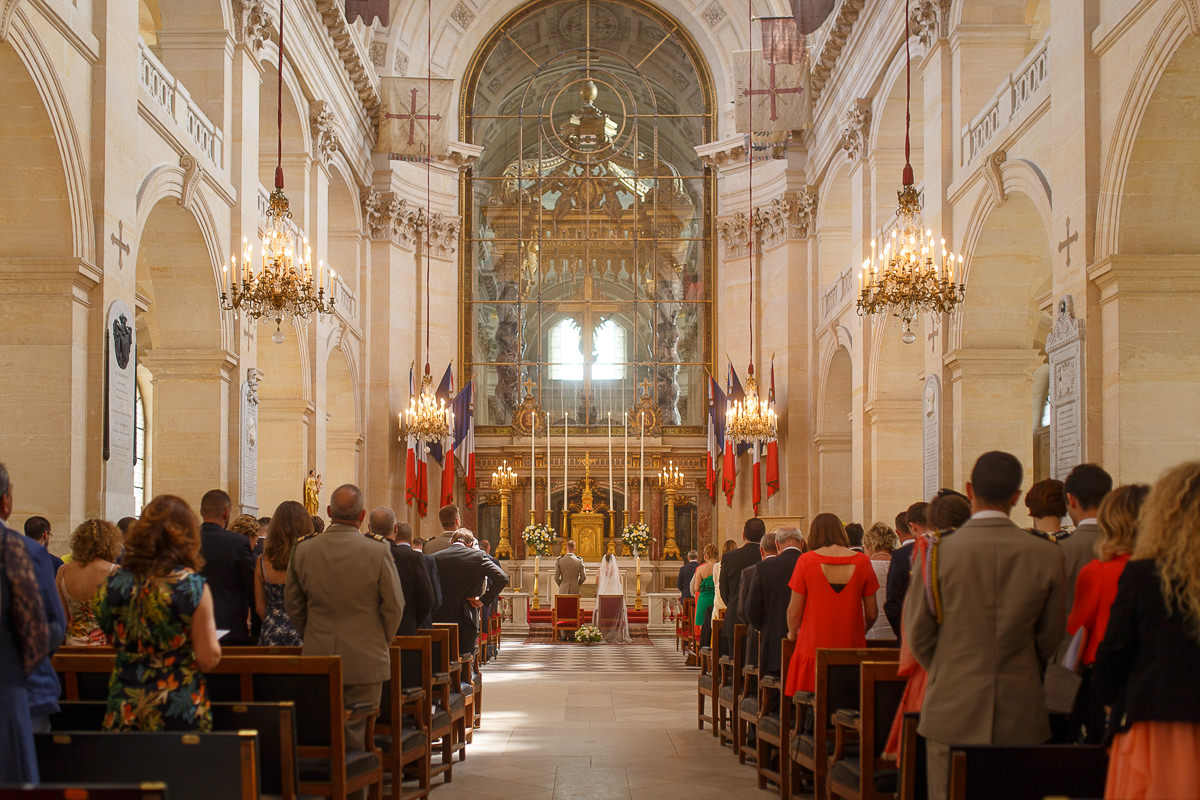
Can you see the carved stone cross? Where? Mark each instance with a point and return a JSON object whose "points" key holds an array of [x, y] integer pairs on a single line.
{"points": [[1065, 244], [118, 239]]}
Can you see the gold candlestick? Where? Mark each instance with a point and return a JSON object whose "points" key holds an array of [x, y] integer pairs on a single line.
{"points": [[671, 481], [536, 563], [637, 561], [503, 480], [612, 531]]}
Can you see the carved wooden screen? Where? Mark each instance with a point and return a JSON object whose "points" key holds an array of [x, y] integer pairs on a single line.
{"points": [[587, 264]]}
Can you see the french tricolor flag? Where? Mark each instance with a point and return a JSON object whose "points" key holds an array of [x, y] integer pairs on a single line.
{"points": [[716, 435], [464, 439], [773, 445], [410, 460]]}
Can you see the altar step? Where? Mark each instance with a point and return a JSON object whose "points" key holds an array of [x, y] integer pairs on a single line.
{"points": [[545, 616]]}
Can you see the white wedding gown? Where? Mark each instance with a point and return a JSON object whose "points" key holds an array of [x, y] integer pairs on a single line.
{"points": [[609, 584]]}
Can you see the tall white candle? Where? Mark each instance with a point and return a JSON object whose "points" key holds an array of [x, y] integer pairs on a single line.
{"points": [[547, 468], [566, 445], [625, 485], [532, 464], [610, 483], [641, 468]]}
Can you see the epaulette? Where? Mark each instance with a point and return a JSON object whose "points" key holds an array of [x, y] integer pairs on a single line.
{"points": [[307, 536], [1050, 537], [377, 538], [933, 589]]}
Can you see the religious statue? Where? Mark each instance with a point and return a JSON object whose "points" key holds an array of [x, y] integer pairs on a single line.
{"points": [[312, 492]]}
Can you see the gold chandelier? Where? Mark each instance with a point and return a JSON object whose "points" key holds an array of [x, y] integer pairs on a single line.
{"points": [[428, 418], [670, 478], [751, 420], [285, 286], [913, 274]]}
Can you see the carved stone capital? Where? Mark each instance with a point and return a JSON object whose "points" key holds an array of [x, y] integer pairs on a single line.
{"points": [[789, 216], [253, 23], [856, 127], [384, 214], [443, 234], [929, 20], [324, 136], [735, 233]]}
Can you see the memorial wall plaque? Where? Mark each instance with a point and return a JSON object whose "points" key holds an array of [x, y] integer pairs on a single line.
{"points": [[1064, 350], [120, 385]]}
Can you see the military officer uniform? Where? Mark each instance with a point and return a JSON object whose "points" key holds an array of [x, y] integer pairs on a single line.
{"points": [[569, 573]]}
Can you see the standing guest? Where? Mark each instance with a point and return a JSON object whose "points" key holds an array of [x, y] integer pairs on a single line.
{"points": [[878, 545], [485, 618], [832, 602], [683, 580], [160, 616], [770, 548], [247, 526], [1148, 665], [569, 572], [703, 587], [38, 529], [947, 512], [95, 545], [450, 521], [730, 578], [344, 598], [768, 597], [435, 579], [124, 523], [854, 532], [1086, 487], [1095, 591], [901, 567], [1047, 505], [984, 612], [410, 567], [263, 524], [292, 522], [719, 602], [464, 571], [228, 568], [42, 683], [318, 523], [25, 643]]}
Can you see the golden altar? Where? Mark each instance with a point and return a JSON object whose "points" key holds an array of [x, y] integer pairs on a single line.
{"points": [[587, 525]]}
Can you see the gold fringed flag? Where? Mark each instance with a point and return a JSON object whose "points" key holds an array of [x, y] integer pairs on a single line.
{"points": [[811, 14], [413, 124], [783, 43], [778, 93], [368, 10]]}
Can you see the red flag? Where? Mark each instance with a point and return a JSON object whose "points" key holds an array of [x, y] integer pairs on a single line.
{"points": [[422, 481], [729, 470], [410, 461], [716, 436], [773, 444], [464, 436], [756, 476], [368, 10], [811, 14], [782, 41]]}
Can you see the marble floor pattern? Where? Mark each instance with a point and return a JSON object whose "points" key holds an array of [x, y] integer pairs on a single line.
{"points": [[594, 734]]}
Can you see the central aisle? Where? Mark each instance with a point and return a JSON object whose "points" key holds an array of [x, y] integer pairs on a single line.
{"points": [[606, 722]]}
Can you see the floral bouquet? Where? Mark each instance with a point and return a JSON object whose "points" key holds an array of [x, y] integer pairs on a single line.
{"points": [[637, 536], [588, 634], [539, 539]]}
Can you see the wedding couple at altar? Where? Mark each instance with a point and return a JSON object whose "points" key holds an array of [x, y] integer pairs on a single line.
{"points": [[610, 615]]}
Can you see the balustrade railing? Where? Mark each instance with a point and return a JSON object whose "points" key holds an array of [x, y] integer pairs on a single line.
{"points": [[1011, 100], [172, 97]]}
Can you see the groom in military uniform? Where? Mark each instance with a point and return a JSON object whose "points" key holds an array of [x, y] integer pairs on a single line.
{"points": [[569, 573]]}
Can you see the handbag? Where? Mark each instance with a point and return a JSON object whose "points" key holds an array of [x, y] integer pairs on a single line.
{"points": [[1063, 680]]}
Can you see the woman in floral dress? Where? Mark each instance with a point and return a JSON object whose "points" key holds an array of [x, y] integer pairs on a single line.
{"points": [[159, 615], [289, 522], [95, 547]]}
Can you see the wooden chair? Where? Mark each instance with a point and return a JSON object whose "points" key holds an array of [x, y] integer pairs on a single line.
{"points": [[194, 766], [107, 791], [706, 681], [465, 672], [837, 687], [996, 772], [402, 733], [729, 671], [451, 701], [913, 784], [747, 698], [417, 672], [566, 614], [685, 625], [774, 726], [865, 775]]}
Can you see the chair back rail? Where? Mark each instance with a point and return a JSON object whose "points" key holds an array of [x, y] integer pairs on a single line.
{"points": [[997, 772]]}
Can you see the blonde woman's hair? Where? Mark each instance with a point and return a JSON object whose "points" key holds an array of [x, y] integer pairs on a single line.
{"points": [[1118, 519], [880, 538], [1167, 533]]}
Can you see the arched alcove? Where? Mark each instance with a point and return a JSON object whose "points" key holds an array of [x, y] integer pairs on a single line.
{"points": [[835, 469]]}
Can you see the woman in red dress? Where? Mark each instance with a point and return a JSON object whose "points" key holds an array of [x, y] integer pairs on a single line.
{"points": [[833, 600]]}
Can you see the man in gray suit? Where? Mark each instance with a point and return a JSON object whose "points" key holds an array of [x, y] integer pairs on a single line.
{"points": [[343, 595], [994, 613], [569, 573], [1085, 487], [450, 522]]}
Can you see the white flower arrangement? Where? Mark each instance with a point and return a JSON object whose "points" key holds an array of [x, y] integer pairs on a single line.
{"points": [[539, 539], [636, 536], [588, 634]]}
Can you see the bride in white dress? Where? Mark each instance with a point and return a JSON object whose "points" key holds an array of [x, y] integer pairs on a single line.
{"points": [[609, 584]]}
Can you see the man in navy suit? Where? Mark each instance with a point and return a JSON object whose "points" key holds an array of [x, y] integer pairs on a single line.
{"points": [[435, 579], [228, 568], [768, 595], [733, 564], [410, 566], [899, 572]]}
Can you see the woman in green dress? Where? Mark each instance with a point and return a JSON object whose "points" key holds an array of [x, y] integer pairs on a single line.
{"points": [[158, 614], [704, 590]]}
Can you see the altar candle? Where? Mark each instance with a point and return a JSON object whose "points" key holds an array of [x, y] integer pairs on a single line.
{"points": [[625, 485], [532, 462], [566, 441], [547, 467], [610, 483], [641, 467]]}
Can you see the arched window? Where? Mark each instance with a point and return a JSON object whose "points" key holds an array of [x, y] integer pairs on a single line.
{"points": [[607, 362], [566, 351], [139, 450]]}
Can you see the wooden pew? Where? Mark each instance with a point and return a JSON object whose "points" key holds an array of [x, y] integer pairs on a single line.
{"points": [[837, 687], [706, 681], [865, 775], [144, 791], [685, 625], [402, 731], [194, 766], [466, 681], [913, 785], [747, 698], [416, 654], [447, 698], [729, 724], [774, 726], [314, 683], [275, 724], [997, 772]]}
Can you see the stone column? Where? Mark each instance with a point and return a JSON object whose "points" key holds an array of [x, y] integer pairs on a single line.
{"points": [[893, 430]]}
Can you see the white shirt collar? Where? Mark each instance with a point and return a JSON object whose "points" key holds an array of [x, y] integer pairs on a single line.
{"points": [[1088, 521], [989, 514], [404, 544], [789, 547]]}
